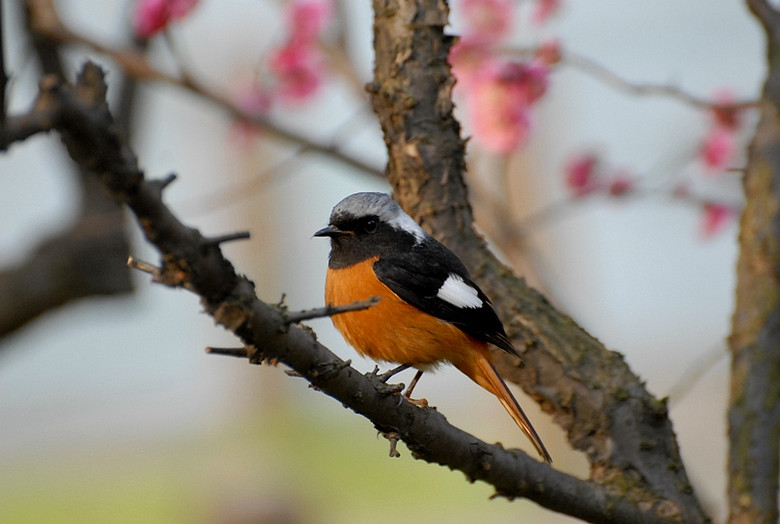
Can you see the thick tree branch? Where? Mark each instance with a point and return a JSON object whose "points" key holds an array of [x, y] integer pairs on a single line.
{"points": [[754, 411], [85, 261], [81, 116], [604, 408]]}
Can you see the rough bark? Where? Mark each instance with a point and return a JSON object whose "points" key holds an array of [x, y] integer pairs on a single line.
{"points": [[754, 411]]}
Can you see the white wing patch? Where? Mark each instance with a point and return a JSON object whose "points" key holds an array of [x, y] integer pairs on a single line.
{"points": [[458, 293]]}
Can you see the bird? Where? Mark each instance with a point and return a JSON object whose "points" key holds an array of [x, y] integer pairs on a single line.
{"points": [[429, 311]]}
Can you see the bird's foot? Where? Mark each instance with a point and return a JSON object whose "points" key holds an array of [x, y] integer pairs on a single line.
{"points": [[419, 402], [389, 389]]}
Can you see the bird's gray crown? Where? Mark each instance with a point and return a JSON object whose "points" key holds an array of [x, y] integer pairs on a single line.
{"points": [[380, 205]]}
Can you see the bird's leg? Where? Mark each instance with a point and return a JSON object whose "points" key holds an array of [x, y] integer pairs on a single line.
{"points": [[421, 402], [387, 375]]}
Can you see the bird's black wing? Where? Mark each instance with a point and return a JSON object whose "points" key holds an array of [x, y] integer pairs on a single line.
{"points": [[417, 276]]}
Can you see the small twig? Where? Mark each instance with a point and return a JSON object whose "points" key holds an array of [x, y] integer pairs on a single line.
{"points": [[240, 352], [146, 267], [184, 72], [3, 77], [393, 438], [608, 77], [604, 75], [168, 180], [215, 241], [328, 311]]}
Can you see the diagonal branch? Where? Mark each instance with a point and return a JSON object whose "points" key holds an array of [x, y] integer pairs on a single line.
{"points": [[82, 117]]}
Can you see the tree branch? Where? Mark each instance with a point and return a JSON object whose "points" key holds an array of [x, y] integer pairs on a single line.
{"points": [[84, 261], [606, 76], [754, 404], [767, 15]]}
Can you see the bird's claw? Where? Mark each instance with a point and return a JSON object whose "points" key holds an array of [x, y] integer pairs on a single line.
{"points": [[419, 402]]}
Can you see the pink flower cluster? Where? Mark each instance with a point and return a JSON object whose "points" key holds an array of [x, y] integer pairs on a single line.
{"points": [[715, 218], [499, 93], [585, 175], [298, 65], [152, 16], [717, 153], [719, 146]]}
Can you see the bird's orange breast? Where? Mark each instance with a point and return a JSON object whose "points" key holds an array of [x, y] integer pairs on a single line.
{"points": [[392, 330]]}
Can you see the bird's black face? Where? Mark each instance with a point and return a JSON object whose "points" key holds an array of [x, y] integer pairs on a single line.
{"points": [[355, 239]]}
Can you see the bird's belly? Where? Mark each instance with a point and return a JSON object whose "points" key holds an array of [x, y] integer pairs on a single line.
{"points": [[392, 330]]}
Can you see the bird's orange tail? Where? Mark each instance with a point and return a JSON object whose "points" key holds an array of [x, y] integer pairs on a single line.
{"points": [[484, 373]]}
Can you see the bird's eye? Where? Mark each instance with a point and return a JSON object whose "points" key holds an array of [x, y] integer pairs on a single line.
{"points": [[369, 226]]}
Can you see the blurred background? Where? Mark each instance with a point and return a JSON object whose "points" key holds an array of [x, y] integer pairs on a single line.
{"points": [[110, 409]]}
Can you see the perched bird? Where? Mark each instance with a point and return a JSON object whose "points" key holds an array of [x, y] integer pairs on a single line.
{"points": [[429, 311]]}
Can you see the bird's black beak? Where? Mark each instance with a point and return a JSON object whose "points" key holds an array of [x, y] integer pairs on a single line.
{"points": [[329, 231]]}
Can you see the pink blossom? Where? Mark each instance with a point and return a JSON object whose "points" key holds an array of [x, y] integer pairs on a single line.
{"points": [[467, 58], [151, 16], [715, 219], [718, 148], [621, 184], [307, 19], [299, 71], [544, 10], [489, 20], [500, 101], [527, 81], [723, 109], [499, 126], [582, 177]]}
